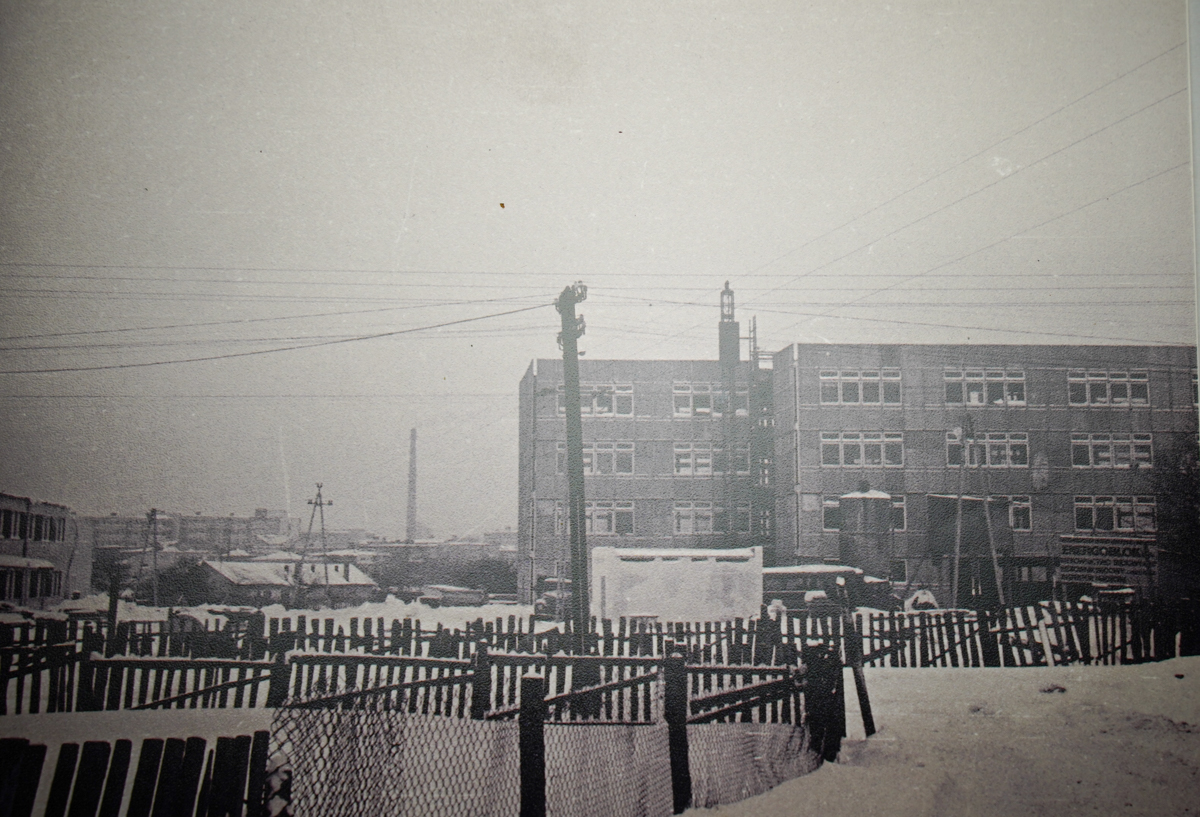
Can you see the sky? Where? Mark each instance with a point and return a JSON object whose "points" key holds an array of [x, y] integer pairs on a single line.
{"points": [[244, 248]]}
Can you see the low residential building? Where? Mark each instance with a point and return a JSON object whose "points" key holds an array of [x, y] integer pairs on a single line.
{"points": [[307, 584]]}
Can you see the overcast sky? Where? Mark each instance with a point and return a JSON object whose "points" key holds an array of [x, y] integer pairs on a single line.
{"points": [[183, 179]]}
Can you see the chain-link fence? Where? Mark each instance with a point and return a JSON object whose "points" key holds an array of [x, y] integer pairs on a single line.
{"points": [[732, 761], [596, 771], [379, 761]]}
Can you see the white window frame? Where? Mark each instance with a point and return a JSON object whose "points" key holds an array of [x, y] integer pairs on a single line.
{"points": [[831, 507], [600, 399], [1020, 505], [861, 387], [595, 454], [1103, 387], [863, 449], [899, 505], [1117, 451], [741, 518], [609, 518], [692, 399], [690, 518], [1001, 386], [1125, 514], [995, 449]]}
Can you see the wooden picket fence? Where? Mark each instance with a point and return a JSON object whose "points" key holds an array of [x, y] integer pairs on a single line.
{"points": [[171, 776]]}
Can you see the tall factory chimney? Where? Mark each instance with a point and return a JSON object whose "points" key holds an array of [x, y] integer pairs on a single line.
{"points": [[411, 527]]}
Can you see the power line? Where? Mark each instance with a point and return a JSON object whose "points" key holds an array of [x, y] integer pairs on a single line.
{"points": [[235, 321], [272, 351], [1014, 235], [972, 157]]}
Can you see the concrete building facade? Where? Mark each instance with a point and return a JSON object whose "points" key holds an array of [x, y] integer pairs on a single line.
{"points": [[676, 454], [1064, 440]]}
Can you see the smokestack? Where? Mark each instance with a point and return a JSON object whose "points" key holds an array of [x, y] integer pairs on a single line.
{"points": [[411, 528], [729, 336]]}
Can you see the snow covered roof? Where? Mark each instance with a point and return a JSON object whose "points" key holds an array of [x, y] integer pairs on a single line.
{"points": [[278, 556], [683, 553], [280, 574], [339, 575], [272, 539], [819, 568], [273, 574]]}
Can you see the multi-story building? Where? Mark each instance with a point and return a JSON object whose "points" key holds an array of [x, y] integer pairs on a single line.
{"points": [[42, 556], [676, 453], [1067, 442], [1047, 467]]}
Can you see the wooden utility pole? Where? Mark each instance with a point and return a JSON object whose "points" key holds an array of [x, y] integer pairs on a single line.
{"points": [[152, 518], [568, 339]]}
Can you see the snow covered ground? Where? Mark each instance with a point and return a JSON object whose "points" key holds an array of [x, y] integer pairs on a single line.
{"points": [[1057, 741], [392, 609]]}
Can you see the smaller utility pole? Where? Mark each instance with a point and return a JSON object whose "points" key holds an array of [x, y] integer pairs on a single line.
{"points": [[318, 505], [152, 518]]}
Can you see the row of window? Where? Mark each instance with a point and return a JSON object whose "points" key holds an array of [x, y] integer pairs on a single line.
{"points": [[990, 387], [995, 449], [1093, 514], [616, 518], [688, 400], [700, 459], [831, 513], [882, 387], [22, 583], [865, 449], [32, 526]]}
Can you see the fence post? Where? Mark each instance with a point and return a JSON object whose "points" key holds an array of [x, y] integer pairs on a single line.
{"points": [[675, 710], [531, 723], [281, 677], [987, 642], [481, 682]]}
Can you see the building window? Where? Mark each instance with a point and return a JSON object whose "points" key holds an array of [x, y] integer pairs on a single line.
{"points": [[693, 459], [1111, 451], [1020, 513], [878, 387], [609, 518], [862, 449], [993, 450], [831, 513], [705, 459], [899, 516], [1092, 387], [737, 522], [1119, 514], [985, 387], [741, 402], [601, 400], [1195, 389], [693, 517], [693, 399], [899, 570], [738, 460], [601, 458]]}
